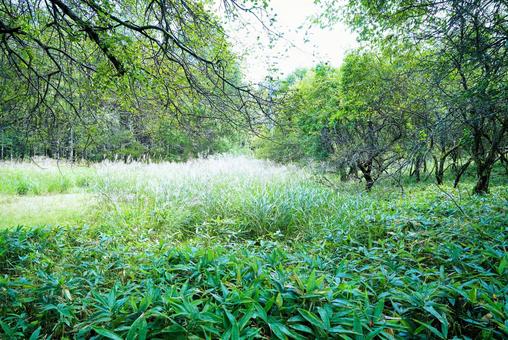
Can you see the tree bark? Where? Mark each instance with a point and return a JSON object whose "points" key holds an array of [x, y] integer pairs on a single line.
{"points": [[71, 146], [439, 171], [483, 172], [417, 168], [343, 173], [485, 159], [366, 169], [460, 172]]}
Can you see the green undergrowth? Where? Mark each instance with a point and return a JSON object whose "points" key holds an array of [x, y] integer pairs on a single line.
{"points": [[238, 248], [427, 265]]}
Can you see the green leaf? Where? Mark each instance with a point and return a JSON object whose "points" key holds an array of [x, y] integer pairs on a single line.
{"points": [[378, 310], [325, 314], [341, 330], [503, 264], [279, 300], [302, 328], [432, 329], [281, 331], [312, 318], [7, 330], [175, 329], [357, 327], [245, 319], [138, 328], [435, 313], [106, 333], [374, 333], [235, 329], [277, 330], [35, 334], [261, 312]]}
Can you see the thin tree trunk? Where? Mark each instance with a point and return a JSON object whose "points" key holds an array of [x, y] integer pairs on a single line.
{"points": [[343, 173], [71, 146], [460, 172], [484, 160], [439, 169], [504, 161], [483, 172], [417, 168]]}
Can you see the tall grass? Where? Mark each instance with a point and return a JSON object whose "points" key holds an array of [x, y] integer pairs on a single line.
{"points": [[44, 177], [235, 197]]}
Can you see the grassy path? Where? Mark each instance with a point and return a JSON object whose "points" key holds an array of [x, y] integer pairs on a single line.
{"points": [[56, 209]]}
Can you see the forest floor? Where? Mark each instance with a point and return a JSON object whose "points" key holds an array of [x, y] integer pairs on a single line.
{"points": [[234, 247]]}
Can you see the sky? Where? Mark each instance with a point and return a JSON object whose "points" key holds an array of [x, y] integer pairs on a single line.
{"points": [[299, 47]]}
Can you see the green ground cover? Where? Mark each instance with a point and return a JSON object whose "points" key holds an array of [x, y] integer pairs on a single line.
{"points": [[239, 248]]}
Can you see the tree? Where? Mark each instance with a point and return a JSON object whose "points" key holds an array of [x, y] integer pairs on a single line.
{"points": [[67, 60], [305, 101], [469, 61], [371, 122]]}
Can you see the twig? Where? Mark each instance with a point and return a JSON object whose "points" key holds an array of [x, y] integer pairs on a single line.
{"points": [[452, 199]]}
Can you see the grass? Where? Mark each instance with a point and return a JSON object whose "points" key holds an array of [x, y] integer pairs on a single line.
{"points": [[44, 177], [56, 209], [239, 248]]}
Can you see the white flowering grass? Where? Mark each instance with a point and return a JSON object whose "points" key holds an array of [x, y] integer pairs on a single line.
{"points": [[224, 190], [238, 171], [237, 196]]}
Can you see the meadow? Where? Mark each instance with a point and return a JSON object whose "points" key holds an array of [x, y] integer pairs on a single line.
{"points": [[237, 248]]}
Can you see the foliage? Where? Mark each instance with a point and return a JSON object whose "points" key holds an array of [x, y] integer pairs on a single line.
{"points": [[46, 178], [462, 49], [106, 79], [352, 265], [309, 98], [234, 247]]}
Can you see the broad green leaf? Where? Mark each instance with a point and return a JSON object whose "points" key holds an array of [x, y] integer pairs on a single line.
{"points": [[106, 333], [312, 318]]}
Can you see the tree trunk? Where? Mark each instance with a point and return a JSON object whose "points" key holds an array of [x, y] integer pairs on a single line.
{"points": [[343, 173], [416, 171], [366, 169], [483, 157], [504, 161], [460, 172], [71, 146], [369, 181], [484, 162], [483, 172], [439, 172]]}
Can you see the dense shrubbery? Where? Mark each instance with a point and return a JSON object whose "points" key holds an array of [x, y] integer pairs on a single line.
{"points": [[246, 249]]}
